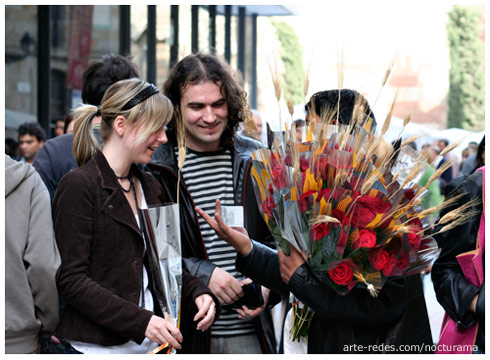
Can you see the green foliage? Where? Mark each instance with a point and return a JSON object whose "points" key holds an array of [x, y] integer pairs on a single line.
{"points": [[292, 58], [466, 100]]}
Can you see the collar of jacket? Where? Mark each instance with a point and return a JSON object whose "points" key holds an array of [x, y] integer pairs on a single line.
{"points": [[241, 157], [116, 204]]}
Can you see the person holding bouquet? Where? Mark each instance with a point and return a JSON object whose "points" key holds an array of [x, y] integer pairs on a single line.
{"points": [[352, 323], [108, 276], [340, 322]]}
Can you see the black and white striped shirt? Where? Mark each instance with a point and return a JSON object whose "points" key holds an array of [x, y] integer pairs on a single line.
{"points": [[209, 176]]}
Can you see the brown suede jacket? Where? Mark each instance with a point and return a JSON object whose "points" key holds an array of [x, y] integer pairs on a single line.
{"points": [[102, 252]]}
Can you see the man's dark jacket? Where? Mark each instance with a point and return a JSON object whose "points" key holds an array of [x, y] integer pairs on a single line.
{"points": [[164, 168], [344, 324], [453, 291], [53, 160]]}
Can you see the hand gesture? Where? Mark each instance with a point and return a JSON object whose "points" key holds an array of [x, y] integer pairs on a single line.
{"points": [[235, 236]]}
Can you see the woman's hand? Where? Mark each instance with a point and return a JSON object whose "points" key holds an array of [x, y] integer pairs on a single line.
{"points": [[162, 330], [206, 310], [235, 236], [289, 264]]}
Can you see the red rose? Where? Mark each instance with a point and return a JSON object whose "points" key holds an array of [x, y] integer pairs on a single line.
{"points": [[305, 200], [324, 193], [271, 189], [416, 224], [367, 239], [342, 241], [409, 194], [322, 167], [267, 206], [303, 205], [279, 175], [389, 267], [415, 234], [403, 261], [341, 274], [320, 230], [413, 239], [304, 164], [379, 259], [340, 216], [367, 207]]}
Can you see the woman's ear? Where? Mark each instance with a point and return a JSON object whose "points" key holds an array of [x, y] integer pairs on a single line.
{"points": [[120, 125]]}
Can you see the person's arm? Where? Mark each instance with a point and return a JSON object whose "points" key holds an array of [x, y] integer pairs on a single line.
{"points": [[454, 292], [42, 258], [261, 264], [200, 268]]}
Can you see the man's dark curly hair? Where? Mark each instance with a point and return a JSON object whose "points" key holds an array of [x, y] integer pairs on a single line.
{"points": [[198, 68], [104, 72], [324, 103], [33, 129]]}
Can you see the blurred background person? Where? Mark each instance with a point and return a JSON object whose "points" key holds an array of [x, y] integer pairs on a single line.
{"points": [[478, 162], [257, 133], [468, 164], [59, 127], [69, 124], [433, 197], [31, 139], [449, 174], [299, 126], [434, 158], [12, 148]]}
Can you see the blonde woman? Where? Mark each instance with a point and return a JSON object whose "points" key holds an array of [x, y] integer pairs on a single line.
{"points": [[107, 274]]}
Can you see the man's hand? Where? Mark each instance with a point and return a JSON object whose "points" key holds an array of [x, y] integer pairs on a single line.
{"points": [[245, 312], [235, 236], [206, 310], [289, 264], [226, 288]]}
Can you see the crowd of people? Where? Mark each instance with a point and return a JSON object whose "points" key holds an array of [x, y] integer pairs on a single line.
{"points": [[82, 276]]}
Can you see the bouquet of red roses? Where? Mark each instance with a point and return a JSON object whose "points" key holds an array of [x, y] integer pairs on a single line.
{"points": [[349, 214], [354, 213]]}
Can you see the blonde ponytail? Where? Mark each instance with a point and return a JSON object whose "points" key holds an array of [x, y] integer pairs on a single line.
{"points": [[138, 101], [84, 141]]}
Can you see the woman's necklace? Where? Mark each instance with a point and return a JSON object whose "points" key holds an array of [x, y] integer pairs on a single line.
{"points": [[129, 178]]}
